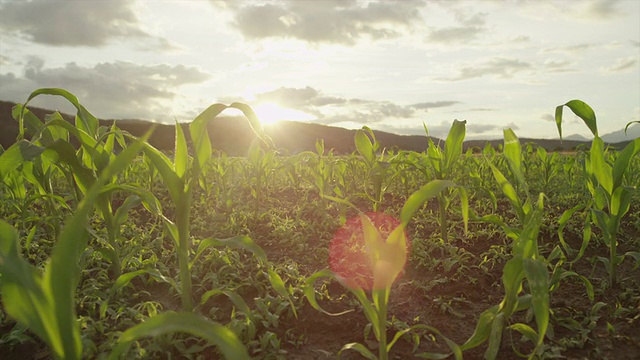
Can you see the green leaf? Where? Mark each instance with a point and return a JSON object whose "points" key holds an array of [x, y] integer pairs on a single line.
{"points": [[512, 276], [624, 160], [562, 222], [495, 337], [279, 287], [166, 170], [457, 351], [509, 191], [255, 123], [122, 212], [181, 158], [599, 167], [310, 291], [525, 330], [235, 242], [426, 192], [22, 295], [583, 111], [320, 146], [200, 135], [236, 299], [538, 278], [482, 330], [85, 121], [187, 322], [365, 147], [16, 154], [453, 144], [513, 154], [464, 207], [360, 349]]}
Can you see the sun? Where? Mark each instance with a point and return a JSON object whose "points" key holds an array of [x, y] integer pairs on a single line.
{"points": [[271, 113]]}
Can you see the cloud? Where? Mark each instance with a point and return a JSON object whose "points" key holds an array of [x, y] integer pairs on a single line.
{"points": [[621, 65], [499, 67], [547, 117], [338, 22], [76, 23], [572, 49], [468, 30], [482, 109], [434, 104], [332, 109], [299, 98], [601, 9], [111, 90], [558, 66]]}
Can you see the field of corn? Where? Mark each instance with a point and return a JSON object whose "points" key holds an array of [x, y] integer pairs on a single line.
{"points": [[112, 249]]}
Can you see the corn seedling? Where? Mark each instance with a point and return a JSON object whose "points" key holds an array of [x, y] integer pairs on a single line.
{"points": [[383, 254], [611, 198], [441, 165], [44, 302]]}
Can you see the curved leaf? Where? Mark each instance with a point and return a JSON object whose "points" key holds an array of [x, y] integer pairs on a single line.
{"points": [[188, 322]]}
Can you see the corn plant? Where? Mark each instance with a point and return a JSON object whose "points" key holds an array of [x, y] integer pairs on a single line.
{"points": [[45, 302], [441, 164], [181, 176], [83, 166], [261, 165], [549, 166], [377, 169], [526, 263], [385, 259], [611, 198]]}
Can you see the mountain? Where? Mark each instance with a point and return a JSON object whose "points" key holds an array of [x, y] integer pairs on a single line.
{"points": [[633, 131], [576, 137], [233, 135]]}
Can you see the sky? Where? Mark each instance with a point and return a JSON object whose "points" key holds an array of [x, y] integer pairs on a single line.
{"points": [[389, 65]]}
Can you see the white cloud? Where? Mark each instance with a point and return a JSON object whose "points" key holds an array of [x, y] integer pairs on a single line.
{"points": [[467, 30], [622, 65], [500, 67]]}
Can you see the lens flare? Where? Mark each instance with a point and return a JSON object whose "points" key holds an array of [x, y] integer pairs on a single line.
{"points": [[368, 263]]}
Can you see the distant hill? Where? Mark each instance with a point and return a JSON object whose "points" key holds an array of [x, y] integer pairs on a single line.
{"points": [[633, 131], [233, 135], [576, 137]]}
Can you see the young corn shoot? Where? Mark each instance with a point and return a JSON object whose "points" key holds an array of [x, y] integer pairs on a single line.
{"points": [[384, 258], [44, 303], [441, 164], [611, 199]]}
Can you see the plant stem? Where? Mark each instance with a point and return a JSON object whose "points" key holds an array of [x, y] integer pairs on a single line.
{"points": [[613, 260], [443, 218], [184, 246], [382, 323]]}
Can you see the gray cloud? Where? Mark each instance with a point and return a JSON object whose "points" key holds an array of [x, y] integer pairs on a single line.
{"points": [[313, 101], [482, 109], [111, 90], [500, 67], [572, 49], [602, 9], [558, 66], [467, 30], [434, 104], [76, 23], [622, 65], [341, 22]]}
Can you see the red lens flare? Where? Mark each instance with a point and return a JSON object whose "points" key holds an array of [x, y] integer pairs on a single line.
{"points": [[348, 257]]}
